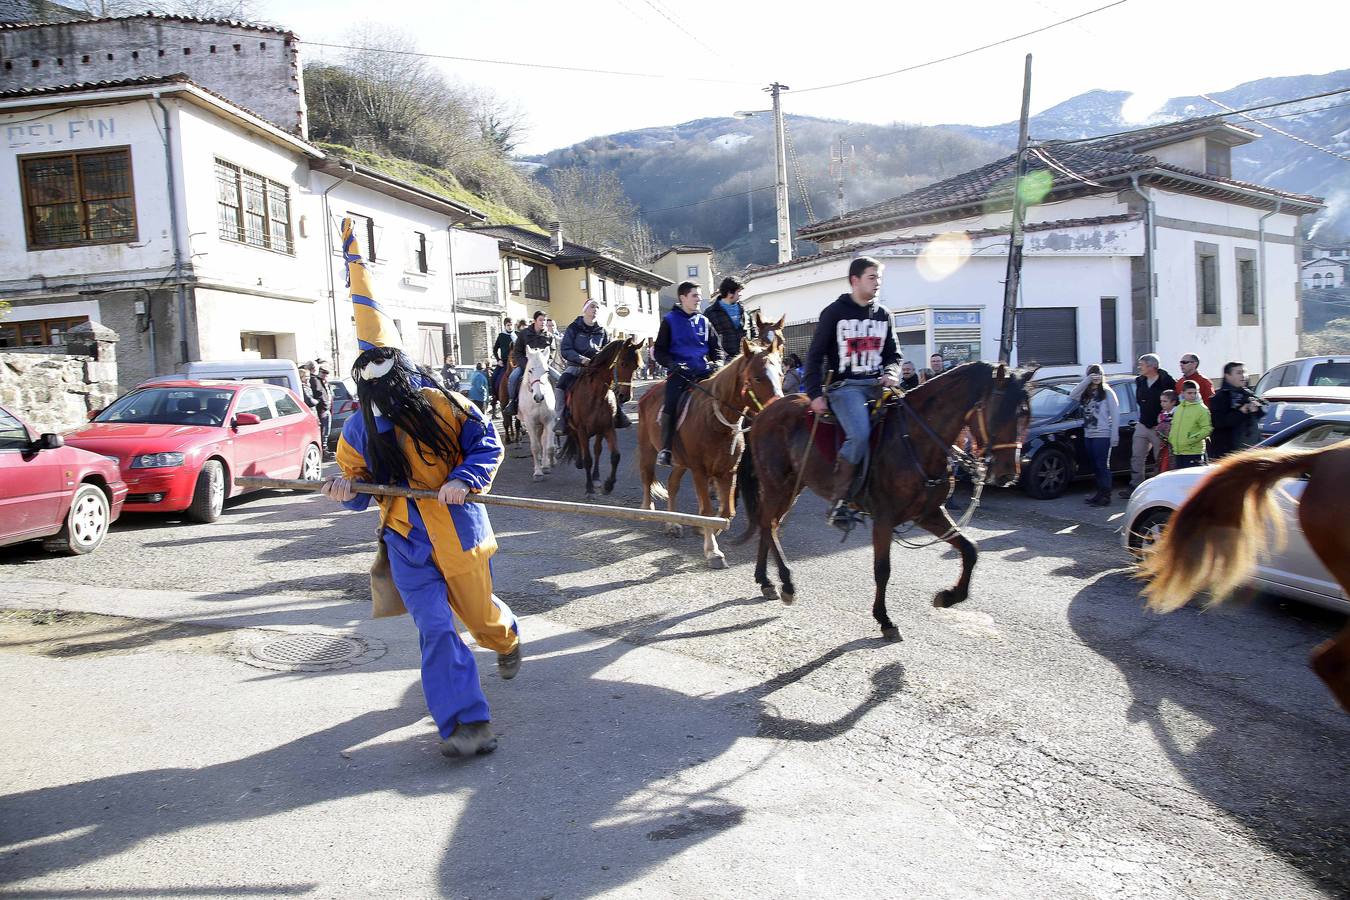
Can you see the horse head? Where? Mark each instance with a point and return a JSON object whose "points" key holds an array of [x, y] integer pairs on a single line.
{"points": [[536, 372], [999, 421], [761, 376], [769, 332], [626, 364]]}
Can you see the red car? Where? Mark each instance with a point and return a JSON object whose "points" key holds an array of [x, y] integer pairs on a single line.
{"points": [[65, 496], [181, 444]]}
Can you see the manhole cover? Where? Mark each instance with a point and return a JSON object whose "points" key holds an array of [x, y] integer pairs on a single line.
{"points": [[312, 652]]}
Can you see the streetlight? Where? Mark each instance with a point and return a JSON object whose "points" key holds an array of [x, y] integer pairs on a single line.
{"points": [[780, 167]]}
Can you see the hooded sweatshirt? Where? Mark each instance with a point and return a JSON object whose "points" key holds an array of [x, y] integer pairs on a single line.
{"points": [[1101, 418], [581, 341], [853, 343], [1190, 427]]}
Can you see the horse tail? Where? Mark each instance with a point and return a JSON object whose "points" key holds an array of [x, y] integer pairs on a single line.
{"points": [[569, 451], [1214, 539], [747, 487]]}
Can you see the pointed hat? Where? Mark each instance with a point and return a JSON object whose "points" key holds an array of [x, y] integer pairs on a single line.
{"points": [[374, 328]]}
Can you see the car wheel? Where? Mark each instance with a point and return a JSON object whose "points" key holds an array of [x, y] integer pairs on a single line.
{"points": [[1147, 530], [311, 464], [86, 524], [209, 497], [1048, 475]]}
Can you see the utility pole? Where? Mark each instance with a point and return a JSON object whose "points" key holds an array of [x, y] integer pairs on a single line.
{"points": [[839, 162], [780, 170], [1016, 237], [750, 200]]}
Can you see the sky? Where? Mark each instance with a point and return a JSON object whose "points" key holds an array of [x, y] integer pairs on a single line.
{"points": [[1153, 48]]}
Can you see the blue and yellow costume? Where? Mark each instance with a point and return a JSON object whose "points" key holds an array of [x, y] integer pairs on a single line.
{"points": [[439, 555]]}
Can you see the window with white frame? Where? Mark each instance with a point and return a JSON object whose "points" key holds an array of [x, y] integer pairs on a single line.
{"points": [[691, 271]]}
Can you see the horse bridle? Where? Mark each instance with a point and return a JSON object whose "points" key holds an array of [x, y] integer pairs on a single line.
{"points": [[955, 455], [744, 412]]}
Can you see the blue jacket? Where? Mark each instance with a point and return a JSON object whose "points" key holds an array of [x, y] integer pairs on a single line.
{"points": [[478, 387], [687, 340]]}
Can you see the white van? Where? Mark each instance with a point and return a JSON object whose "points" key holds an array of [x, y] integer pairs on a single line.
{"points": [[1310, 371], [281, 372]]}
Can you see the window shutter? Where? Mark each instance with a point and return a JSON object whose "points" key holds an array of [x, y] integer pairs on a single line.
{"points": [[1047, 336]]}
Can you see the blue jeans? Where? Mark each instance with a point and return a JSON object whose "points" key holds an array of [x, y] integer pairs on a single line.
{"points": [[1100, 451], [849, 402], [513, 386]]}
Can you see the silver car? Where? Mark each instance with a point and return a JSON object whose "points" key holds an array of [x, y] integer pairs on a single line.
{"points": [[1293, 571]]}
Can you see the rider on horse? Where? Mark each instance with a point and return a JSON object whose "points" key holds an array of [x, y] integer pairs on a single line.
{"points": [[532, 338], [854, 342], [688, 348], [583, 339], [501, 351]]}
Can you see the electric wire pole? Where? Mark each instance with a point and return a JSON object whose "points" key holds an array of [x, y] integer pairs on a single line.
{"points": [[839, 162], [780, 174], [1016, 237]]}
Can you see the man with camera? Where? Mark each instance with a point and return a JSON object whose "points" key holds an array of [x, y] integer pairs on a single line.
{"points": [[1235, 412]]}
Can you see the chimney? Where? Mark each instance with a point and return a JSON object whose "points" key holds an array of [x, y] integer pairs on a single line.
{"points": [[555, 228]]}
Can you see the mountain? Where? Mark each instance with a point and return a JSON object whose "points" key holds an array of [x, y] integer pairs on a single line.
{"points": [[668, 170]]}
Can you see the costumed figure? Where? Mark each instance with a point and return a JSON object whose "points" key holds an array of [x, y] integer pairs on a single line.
{"points": [[434, 555]]}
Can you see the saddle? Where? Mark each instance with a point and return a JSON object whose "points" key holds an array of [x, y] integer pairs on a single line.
{"points": [[829, 434]]}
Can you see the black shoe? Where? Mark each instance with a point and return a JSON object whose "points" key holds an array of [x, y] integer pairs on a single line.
{"points": [[1104, 501], [663, 458], [560, 426], [1125, 493], [843, 516], [621, 420], [468, 739], [1094, 499], [508, 664], [510, 409]]}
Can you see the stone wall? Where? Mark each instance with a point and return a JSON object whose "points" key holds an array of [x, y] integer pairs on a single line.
{"points": [[54, 391]]}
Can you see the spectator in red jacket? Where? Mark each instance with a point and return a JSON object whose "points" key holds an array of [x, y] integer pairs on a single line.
{"points": [[1190, 371]]}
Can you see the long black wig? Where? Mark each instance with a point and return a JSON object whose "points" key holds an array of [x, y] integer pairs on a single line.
{"points": [[399, 398]]}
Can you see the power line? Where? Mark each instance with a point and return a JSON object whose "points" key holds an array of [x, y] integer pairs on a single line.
{"points": [[933, 62], [767, 187], [489, 62], [1100, 137], [661, 10], [1340, 156]]}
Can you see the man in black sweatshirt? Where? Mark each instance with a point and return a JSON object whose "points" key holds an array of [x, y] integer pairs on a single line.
{"points": [[853, 356], [1236, 413]]}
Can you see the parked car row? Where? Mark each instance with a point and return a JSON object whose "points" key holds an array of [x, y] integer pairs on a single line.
{"points": [[167, 446]]}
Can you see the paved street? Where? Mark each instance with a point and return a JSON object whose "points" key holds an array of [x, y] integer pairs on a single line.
{"points": [[671, 733]]}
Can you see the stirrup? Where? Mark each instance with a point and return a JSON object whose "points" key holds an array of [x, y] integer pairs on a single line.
{"points": [[845, 516], [665, 458]]}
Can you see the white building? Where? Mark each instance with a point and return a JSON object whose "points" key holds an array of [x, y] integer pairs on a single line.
{"points": [[685, 262], [1323, 273], [198, 230], [1134, 243]]}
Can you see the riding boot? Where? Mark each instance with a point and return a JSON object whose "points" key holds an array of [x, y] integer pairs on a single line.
{"points": [[621, 419], [667, 439], [560, 404], [845, 487], [512, 405]]}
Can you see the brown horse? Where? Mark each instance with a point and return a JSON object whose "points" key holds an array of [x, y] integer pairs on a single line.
{"points": [[1216, 536], [910, 473], [708, 443], [511, 429], [605, 384]]}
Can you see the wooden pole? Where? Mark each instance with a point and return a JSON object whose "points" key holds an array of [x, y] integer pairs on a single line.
{"points": [[1016, 237], [557, 506]]}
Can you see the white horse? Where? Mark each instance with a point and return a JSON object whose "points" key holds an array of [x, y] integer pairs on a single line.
{"points": [[536, 411]]}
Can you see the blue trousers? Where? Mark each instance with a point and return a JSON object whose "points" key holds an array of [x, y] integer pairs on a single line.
{"points": [[849, 402], [1100, 451], [449, 673]]}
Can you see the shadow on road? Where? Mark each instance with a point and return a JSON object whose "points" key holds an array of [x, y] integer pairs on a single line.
{"points": [[601, 773], [1244, 722]]}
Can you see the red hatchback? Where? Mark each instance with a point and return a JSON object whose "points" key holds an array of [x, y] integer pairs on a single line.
{"points": [[181, 444], [64, 496]]}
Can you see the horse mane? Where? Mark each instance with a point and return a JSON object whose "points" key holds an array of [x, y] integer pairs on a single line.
{"points": [[608, 354]]}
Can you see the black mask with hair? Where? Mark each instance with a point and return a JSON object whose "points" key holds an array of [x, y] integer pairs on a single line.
{"points": [[399, 397]]}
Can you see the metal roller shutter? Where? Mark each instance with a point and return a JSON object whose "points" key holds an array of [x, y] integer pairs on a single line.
{"points": [[1048, 336]]}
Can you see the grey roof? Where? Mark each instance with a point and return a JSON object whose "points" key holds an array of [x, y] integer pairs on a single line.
{"points": [[1157, 135], [572, 255], [193, 20], [1078, 168], [17, 11]]}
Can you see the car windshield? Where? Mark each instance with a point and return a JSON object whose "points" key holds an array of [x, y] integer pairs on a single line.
{"points": [[1330, 374], [1283, 413], [1051, 399], [170, 406], [1321, 436]]}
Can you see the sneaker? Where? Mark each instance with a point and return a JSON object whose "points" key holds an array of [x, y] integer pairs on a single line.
{"points": [[508, 664], [663, 458], [469, 739]]}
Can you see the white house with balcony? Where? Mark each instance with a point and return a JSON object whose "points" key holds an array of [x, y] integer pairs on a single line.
{"points": [[1134, 243]]}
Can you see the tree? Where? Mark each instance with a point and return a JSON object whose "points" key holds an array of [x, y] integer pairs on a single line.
{"points": [[1331, 338], [592, 206]]}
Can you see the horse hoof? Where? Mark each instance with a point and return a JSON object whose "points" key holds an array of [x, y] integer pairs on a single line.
{"points": [[945, 598], [768, 591], [609, 487], [538, 476], [675, 530], [892, 634], [717, 562], [789, 594]]}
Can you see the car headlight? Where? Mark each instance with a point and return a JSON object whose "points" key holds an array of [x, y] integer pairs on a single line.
{"points": [[157, 460]]}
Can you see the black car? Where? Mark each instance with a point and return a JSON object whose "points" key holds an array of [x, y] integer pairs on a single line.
{"points": [[1054, 452]]}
